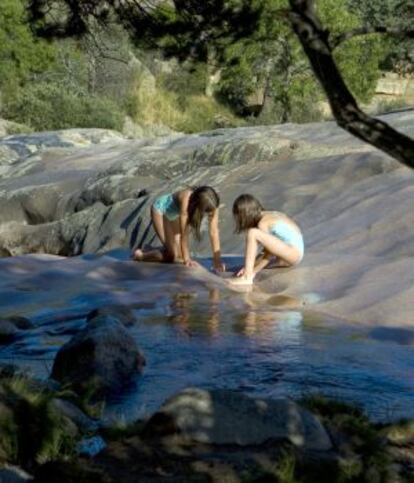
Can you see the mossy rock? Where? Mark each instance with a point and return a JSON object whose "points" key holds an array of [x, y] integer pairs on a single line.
{"points": [[401, 433]]}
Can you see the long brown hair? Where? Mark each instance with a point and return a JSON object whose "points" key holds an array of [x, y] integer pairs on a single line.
{"points": [[247, 212], [203, 199]]}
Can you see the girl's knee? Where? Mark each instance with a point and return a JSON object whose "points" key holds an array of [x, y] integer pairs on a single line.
{"points": [[252, 233], [168, 256]]}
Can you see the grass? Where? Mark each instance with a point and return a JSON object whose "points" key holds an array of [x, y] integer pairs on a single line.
{"points": [[33, 431], [365, 451], [190, 114]]}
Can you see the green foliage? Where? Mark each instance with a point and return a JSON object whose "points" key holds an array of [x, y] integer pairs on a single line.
{"points": [[270, 70], [358, 58], [397, 53], [46, 106], [21, 54], [363, 436], [32, 430]]}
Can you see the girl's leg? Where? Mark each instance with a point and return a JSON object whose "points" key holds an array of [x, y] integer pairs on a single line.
{"points": [[172, 244], [165, 229], [272, 245], [158, 224]]}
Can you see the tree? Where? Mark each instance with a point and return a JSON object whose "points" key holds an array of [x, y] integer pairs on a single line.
{"points": [[271, 61], [315, 41], [219, 22], [21, 53]]}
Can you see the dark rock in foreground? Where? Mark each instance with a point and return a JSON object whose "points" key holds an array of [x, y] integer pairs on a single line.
{"points": [[103, 357], [228, 417], [11, 327], [122, 313]]}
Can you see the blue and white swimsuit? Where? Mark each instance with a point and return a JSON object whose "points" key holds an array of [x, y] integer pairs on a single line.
{"points": [[167, 206], [289, 235]]}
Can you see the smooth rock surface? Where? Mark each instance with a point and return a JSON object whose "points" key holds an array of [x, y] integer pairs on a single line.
{"points": [[77, 191], [229, 417]]}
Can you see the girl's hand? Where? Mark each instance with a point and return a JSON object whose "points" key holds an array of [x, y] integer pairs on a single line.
{"points": [[219, 267], [191, 263], [240, 273]]}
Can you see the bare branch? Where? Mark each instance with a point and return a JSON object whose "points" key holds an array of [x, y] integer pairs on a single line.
{"points": [[314, 40], [336, 40]]}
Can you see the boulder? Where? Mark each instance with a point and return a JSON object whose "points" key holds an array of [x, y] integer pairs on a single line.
{"points": [[14, 474], [225, 417], [124, 314], [103, 357], [8, 331], [11, 327], [83, 422]]}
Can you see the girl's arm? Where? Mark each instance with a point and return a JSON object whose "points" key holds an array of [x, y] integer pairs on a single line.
{"points": [[184, 198], [215, 241]]}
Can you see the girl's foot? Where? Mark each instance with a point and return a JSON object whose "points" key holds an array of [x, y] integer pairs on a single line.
{"points": [[241, 281], [138, 255]]}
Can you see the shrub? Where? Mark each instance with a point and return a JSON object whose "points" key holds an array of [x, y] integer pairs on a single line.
{"points": [[47, 106]]}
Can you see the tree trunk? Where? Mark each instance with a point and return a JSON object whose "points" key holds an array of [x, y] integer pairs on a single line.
{"points": [[213, 72], [314, 40]]}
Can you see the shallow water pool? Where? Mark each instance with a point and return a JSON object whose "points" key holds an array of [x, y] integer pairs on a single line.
{"points": [[195, 332]]}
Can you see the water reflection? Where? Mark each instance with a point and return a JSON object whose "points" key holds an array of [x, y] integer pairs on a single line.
{"points": [[190, 315], [194, 331]]}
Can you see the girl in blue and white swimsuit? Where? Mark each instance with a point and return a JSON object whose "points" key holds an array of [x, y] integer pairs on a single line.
{"points": [[174, 215], [279, 235]]}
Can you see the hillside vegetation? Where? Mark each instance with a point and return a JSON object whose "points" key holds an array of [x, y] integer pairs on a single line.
{"points": [[104, 80]]}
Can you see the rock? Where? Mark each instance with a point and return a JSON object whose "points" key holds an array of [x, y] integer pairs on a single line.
{"points": [[132, 130], [14, 474], [90, 190], [400, 433], [8, 331], [228, 417], [10, 127], [91, 446], [83, 422], [103, 356], [124, 314], [11, 327], [21, 322]]}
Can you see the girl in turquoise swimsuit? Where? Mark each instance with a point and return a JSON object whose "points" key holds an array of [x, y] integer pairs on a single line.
{"points": [[279, 235], [173, 216]]}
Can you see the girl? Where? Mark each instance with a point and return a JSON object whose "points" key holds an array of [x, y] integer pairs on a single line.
{"points": [[173, 215], [276, 232]]}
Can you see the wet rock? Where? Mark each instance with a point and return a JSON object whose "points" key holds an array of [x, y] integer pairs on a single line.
{"points": [[20, 322], [83, 422], [122, 313], [91, 446], [8, 331], [11, 327], [103, 357], [227, 417], [14, 474]]}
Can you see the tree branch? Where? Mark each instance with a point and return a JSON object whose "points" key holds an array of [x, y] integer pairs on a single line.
{"points": [[336, 40], [314, 40]]}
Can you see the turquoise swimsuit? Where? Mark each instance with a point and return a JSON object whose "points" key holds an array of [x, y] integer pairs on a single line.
{"points": [[167, 205], [285, 232]]}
